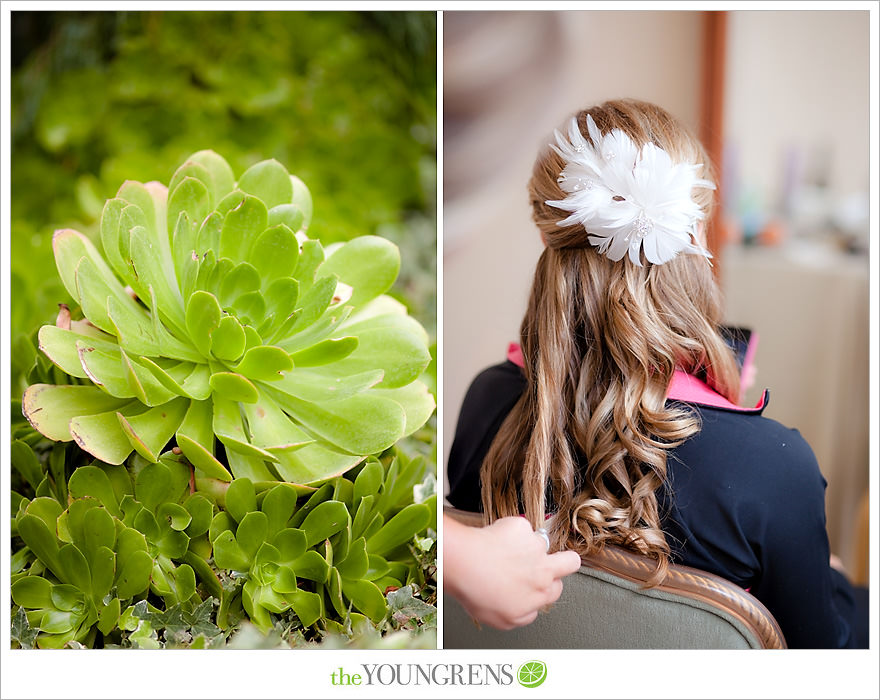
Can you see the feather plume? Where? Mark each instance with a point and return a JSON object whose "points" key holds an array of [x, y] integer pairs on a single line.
{"points": [[629, 200]]}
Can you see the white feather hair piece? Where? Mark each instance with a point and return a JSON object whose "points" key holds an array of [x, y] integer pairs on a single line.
{"points": [[628, 199]]}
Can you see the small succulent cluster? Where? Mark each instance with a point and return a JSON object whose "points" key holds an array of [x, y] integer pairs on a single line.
{"points": [[127, 544], [238, 391]]}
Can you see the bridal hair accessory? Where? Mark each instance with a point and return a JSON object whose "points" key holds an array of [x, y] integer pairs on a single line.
{"points": [[628, 199]]}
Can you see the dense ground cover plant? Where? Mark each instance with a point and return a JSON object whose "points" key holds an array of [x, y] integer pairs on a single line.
{"points": [[235, 386], [131, 556]]}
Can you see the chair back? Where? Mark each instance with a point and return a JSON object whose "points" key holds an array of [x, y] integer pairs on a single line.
{"points": [[606, 605]]}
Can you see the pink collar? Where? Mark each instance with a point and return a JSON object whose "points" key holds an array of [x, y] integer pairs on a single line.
{"points": [[514, 354], [687, 388], [683, 387]]}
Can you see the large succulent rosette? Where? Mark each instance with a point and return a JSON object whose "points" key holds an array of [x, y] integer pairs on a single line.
{"points": [[212, 317]]}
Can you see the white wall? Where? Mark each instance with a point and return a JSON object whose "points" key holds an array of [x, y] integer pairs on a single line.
{"points": [[798, 80]]}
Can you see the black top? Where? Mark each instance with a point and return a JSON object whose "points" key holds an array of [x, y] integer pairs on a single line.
{"points": [[747, 502]]}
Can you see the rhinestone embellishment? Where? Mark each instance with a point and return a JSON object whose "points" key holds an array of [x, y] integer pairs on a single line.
{"points": [[641, 228], [581, 183]]}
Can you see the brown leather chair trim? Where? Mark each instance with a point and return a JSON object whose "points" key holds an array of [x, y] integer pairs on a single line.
{"points": [[696, 585], [681, 580]]}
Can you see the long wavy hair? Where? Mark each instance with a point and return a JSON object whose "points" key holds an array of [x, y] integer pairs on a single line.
{"points": [[588, 439]]}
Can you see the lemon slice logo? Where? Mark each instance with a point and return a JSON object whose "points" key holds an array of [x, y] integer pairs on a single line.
{"points": [[531, 674]]}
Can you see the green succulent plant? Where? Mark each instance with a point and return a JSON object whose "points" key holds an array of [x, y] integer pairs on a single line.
{"points": [[369, 555], [173, 521], [219, 407], [135, 536], [347, 562], [212, 317], [268, 555], [87, 563]]}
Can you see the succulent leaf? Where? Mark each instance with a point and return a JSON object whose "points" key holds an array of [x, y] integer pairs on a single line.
{"points": [[102, 566], [288, 214], [269, 181], [252, 532], [367, 281], [102, 434], [89, 481], [60, 346], [324, 521], [109, 616], [401, 528], [278, 505], [75, 567], [274, 253], [302, 198], [25, 461], [195, 438], [200, 513], [365, 596], [98, 532], [42, 540], [291, 543], [312, 566], [222, 178], [241, 498], [184, 582], [228, 554], [248, 218], [32, 592]]}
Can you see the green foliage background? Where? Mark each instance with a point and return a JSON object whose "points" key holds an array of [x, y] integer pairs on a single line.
{"points": [[345, 100]]}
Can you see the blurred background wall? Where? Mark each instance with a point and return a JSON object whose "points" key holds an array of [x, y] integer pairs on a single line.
{"points": [[795, 265], [792, 231]]}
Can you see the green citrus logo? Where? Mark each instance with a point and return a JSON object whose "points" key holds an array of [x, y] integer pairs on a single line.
{"points": [[532, 673]]}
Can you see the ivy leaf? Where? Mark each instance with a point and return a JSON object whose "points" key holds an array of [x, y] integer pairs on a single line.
{"points": [[144, 637], [22, 632], [422, 492], [199, 620], [404, 606]]}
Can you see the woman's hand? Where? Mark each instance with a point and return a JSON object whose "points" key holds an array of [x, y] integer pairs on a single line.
{"points": [[502, 574]]}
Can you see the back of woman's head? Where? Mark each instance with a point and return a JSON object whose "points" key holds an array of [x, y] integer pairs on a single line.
{"points": [[601, 339]]}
